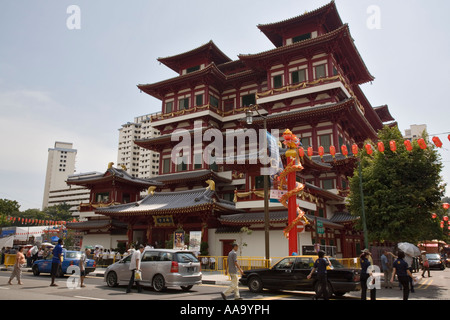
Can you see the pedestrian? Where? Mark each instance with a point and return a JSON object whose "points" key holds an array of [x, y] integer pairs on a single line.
{"points": [[401, 269], [321, 265], [425, 264], [135, 265], [83, 260], [386, 265], [365, 275], [17, 271], [233, 268], [56, 261], [409, 260]]}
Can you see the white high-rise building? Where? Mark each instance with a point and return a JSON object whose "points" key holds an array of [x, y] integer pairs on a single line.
{"points": [[139, 162], [61, 164], [415, 131]]}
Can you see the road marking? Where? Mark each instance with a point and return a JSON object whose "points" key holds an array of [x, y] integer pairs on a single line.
{"points": [[275, 297], [427, 283], [89, 298], [4, 288]]}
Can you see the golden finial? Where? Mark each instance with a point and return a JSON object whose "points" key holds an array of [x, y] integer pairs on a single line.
{"points": [[151, 190], [110, 165], [211, 185]]}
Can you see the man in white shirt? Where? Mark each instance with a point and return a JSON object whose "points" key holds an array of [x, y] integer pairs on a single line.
{"points": [[135, 265]]}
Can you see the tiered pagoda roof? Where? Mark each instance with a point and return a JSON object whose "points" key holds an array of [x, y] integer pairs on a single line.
{"points": [[161, 203], [326, 15]]}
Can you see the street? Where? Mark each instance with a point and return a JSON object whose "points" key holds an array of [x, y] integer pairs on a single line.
{"points": [[37, 288]]}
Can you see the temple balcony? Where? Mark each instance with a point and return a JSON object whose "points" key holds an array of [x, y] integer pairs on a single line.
{"points": [[307, 88]]}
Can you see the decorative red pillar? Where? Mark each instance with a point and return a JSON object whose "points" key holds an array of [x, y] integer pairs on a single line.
{"points": [[292, 211]]}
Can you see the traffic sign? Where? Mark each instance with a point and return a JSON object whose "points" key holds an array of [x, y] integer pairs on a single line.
{"points": [[319, 227]]}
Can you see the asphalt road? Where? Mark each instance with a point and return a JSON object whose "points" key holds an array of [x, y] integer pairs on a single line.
{"points": [[37, 288]]}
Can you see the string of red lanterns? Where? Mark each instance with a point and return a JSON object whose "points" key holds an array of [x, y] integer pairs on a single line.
{"points": [[37, 221], [369, 148], [445, 219]]}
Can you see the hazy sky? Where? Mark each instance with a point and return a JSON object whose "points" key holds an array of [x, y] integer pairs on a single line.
{"points": [[79, 85]]}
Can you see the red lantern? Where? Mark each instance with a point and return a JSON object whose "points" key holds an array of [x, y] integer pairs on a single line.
{"points": [[442, 224], [321, 152], [301, 152], [408, 145], [381, 147], [369, 149], [310, 152], [437, 142], [434, 215], [393, 146], [445, 205], [333, 151], [355, 149], [344, 150], [422, 144], [448, 137], [445, 218]]}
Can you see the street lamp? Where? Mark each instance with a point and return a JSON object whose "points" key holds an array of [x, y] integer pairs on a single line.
{"points": [[249, 119]]}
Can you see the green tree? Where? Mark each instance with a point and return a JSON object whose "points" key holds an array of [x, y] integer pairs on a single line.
{"points": [[401, 189], [60, 212]]}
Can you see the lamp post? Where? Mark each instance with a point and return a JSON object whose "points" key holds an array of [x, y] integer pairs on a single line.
{"points": [[249, 119], [363, 211]]}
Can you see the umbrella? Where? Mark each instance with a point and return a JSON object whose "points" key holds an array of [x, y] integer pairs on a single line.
{"points": [[409, 249], [47, 244]]}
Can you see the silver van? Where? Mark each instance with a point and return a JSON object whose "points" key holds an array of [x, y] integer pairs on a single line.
{"points": [[161, 268]]}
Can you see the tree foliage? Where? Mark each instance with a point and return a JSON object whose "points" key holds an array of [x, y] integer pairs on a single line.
{"points": [[400, 189]]}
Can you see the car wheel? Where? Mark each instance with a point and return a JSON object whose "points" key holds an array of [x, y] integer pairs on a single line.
{"points": [[186, 288], [255, 284], [158, 283], [111, 279], [36, 271]]}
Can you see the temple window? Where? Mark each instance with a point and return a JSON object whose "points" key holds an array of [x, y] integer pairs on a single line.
{"points": [[301, 37], [166, 166], [199, 100], [328, 184], [306, 142], [259, 182], [102, 197], [192, 69], [325, 142], [228, 105], [198, 161], [169, 107], [320, 71], [183, 104], [278, 81], [213, 101], [248, 100], [298, 76]]}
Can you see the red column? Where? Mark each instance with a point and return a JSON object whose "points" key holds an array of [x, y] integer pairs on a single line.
{"points": [[292, 212]]}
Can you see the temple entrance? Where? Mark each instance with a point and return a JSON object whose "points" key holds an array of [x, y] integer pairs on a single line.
{"points": [[227, 246]]}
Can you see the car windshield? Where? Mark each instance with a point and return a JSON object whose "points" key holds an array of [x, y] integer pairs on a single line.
{"points": [[184, 257], [336, 264], [433, 256], [73, 255]]}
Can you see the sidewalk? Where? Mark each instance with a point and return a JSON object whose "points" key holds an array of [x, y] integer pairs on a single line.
{"points": [[209, 277]]}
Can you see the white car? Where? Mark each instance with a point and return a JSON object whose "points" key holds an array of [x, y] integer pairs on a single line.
{"points": [[161, 268]]}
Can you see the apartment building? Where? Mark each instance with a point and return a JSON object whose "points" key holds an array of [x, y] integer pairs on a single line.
{"points": [[137, 161]]}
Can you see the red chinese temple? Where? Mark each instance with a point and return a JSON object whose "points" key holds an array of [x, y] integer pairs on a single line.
{"points": [[308, 83]]}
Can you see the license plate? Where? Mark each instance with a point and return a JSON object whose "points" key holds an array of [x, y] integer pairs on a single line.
{"points": [[190, 269]]}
